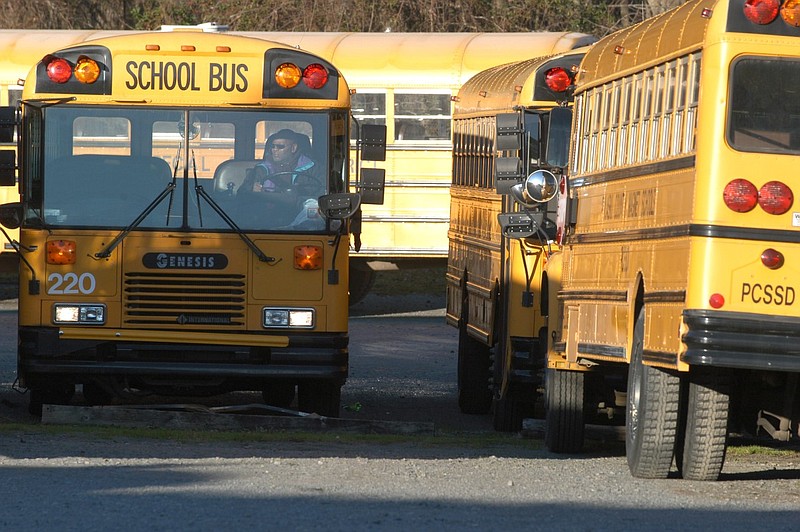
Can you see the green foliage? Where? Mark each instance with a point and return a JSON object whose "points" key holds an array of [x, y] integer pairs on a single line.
{"points": [[597, 16]]}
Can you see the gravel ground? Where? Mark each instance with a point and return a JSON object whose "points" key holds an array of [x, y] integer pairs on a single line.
{"points": [[402, 367]]}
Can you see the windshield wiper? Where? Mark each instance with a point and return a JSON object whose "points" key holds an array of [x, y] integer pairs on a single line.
{"points": [[106, 251], [201, 193]]}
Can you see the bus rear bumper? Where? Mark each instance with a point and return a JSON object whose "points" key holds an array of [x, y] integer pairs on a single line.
{"points": [[741, 340]]}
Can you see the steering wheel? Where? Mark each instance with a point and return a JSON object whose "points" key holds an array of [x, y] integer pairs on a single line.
{"points": [[304, 180]]}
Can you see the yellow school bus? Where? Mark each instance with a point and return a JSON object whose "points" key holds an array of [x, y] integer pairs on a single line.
{"points": [[404, 81], [165, 246], [497, 247], [673, 299]]}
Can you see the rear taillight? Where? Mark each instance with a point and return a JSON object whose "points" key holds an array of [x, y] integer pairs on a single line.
{"points": [[740, 195], [772, 258], [775, 197]]}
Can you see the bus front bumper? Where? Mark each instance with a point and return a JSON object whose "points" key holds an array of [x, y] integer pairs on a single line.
{"points": [[43, 352], [741, 340]]}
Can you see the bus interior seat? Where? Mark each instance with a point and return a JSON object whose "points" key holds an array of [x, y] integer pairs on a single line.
{"points": [[230, 174]]}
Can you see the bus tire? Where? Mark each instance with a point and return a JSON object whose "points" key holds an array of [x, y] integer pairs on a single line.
{"points": [[320, 397], [279, 393], [474, 370], [701, 450], [563, 418], [52, 394], [651, 419], [360, 283], [507, 415]]}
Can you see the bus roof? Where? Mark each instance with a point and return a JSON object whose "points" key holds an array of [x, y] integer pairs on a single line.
{"points": [[206, 68], [657, 39], [380, 60], [504, 87], [426, 59]]}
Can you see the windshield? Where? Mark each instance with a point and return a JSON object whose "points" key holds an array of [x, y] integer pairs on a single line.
{"points": [[764, 110], [181, 169]]}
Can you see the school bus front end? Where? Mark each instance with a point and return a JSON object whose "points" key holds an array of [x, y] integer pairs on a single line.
{"points": [[154, 256]]}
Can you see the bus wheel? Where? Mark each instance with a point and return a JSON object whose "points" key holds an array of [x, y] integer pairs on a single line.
{"points": [[52, 394], [95, 394], [563, 404], [507, 413], [320, 397], [474, 365], [278, 393], [700, 452], [361, 281], [651, 418]]}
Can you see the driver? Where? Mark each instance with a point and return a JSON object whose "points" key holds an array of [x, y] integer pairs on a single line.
{"points": [[286, 178]]}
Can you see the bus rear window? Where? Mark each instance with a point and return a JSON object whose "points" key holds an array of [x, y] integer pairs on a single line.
{"points": [[764, 110]]}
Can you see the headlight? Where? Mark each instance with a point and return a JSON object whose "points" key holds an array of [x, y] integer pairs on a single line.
{"points": [[283, 318], [83, 314]]}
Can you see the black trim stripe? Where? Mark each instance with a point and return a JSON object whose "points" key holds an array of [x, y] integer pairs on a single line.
{"points": [[592, 295], [635, 171], [665, 296], [676, 231], [656, 233], [611, 351], [660, 358], [745, 233]]}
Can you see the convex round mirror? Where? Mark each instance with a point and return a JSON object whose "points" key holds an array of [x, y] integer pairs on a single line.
{"points": [[539, 187]]}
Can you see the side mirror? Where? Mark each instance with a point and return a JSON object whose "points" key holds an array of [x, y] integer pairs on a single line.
{"points": [[339, 206], [8, 167], [373, 181], [508, 131], [7, 123], [373, 142], [540, 187], [520, 224], [11, 215]]}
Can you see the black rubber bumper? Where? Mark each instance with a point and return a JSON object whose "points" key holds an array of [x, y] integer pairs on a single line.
{"points": [[741, 340], [42, 353]]}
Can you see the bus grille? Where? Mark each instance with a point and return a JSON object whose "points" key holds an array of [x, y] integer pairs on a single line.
{"points": [[185, 299]]}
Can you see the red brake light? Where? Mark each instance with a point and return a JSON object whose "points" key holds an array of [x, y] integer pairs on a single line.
{"points": [[740, 195], [716, 300], [761, 11], [315, 76], [557, 79], [58, 70], [772, 259], [775, 197]]}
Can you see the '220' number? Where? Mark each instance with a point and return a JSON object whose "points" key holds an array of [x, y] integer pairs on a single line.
{"points": [[71, 283]]}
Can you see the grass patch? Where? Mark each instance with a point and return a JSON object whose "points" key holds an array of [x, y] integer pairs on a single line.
{"points": [[471, 441], [749, 450]]}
